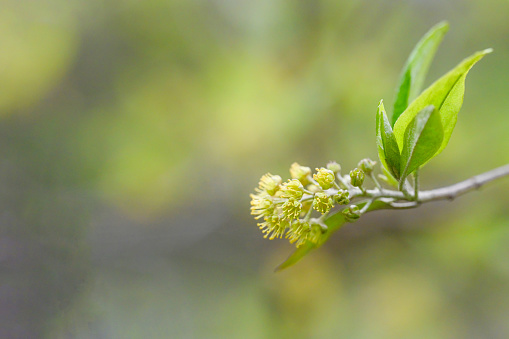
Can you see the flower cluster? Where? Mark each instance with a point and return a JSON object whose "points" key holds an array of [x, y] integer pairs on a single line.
{"points": [[285, 208]]}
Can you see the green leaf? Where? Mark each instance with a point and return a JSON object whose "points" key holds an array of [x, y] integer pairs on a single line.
{"points": [[298, 254], [388, 178], [416, 68], [446, 94], [388, 150], [334, 222], [423, 137]]}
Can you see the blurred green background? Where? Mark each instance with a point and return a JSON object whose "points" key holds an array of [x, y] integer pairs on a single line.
{"points": [[132, 133]]}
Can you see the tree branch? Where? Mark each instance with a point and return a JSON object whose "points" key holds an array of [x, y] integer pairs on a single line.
{"points": [[452, 191], [400, 200]]}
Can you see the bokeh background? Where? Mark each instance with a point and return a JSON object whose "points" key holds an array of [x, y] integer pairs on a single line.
{"points": [[132, 132]]}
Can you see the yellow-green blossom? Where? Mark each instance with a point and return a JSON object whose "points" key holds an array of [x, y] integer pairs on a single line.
{"points": [[296, 231], [269, 183], [299, 172], [322, 202], [261, 205], [292, 189], [314, 188], [291, 209], [273, 227], [324, 177], [300, 232], [314, 234]]}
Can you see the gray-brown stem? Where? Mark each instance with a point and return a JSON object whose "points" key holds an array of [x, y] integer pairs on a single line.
{"points": [[452, 191]]}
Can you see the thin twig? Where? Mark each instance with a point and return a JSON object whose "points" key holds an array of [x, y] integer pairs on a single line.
{"points": [[453, 191], [400, 200], [365, 208], [404, 205]]}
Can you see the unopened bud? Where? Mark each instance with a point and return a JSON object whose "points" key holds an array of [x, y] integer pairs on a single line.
{"points": [[342, 197], [367, 165], [352, 213], [357, 177], [334, 167]]}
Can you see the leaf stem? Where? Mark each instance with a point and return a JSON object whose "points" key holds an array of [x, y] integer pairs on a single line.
{"points": [[308, 214], [377, 184]]}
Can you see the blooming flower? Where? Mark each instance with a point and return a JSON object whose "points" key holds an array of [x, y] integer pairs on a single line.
{"points": [[261, 205], [299, 172], [273, 227], [269, 183], [322, 203], [291, 209], [292, 189], [324, 177], [301, 232]]}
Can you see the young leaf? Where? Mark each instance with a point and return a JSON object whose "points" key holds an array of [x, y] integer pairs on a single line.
{"points": [[333, 222], [415, 70], [388, 178], [296, 255], [446, 94], [388, 150], [423, 137]]}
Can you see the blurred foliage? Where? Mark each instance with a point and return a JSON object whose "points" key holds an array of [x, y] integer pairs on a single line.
{"points": [[39, 42], [133, 131]]}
